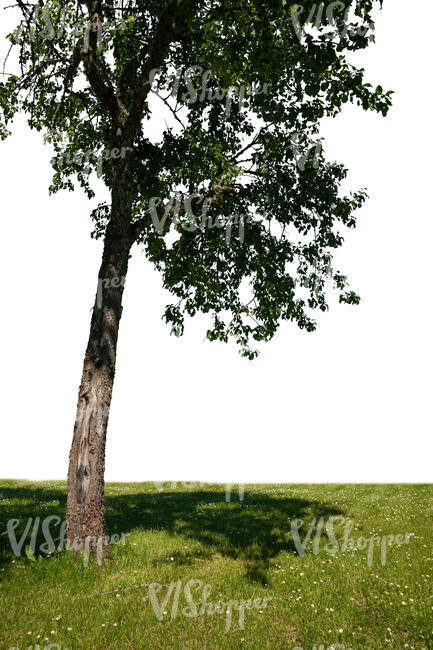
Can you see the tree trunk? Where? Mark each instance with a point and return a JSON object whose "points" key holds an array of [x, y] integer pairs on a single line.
{"points": [[85, 511]]}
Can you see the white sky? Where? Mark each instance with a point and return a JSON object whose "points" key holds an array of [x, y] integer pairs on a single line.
{"points": [[350, 402]]}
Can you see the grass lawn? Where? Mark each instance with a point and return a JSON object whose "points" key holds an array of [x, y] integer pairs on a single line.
{"points": [[329, 594]]}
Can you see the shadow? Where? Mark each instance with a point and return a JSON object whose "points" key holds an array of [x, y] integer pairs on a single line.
{"points": [[254, 531]]}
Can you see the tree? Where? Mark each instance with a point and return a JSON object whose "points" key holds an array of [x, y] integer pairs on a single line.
{"points": [[236, 204]]}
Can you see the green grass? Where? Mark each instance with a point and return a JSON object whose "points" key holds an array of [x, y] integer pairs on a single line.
{"points": [[243, 551]]}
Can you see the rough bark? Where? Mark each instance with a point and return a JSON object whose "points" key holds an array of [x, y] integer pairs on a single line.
{"points": [[85, 512]]}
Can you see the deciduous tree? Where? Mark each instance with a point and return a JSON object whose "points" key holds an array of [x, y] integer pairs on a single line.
{"points": [[235, 203]]}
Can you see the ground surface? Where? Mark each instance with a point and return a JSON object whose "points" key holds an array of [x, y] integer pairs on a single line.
{"points": [[235, 551]]}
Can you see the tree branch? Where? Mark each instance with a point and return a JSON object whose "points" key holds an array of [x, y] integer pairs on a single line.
{"points": [[95, 68], [168, 28]]}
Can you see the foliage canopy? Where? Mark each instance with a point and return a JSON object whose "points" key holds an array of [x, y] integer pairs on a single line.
{"points": [[246, 83]]}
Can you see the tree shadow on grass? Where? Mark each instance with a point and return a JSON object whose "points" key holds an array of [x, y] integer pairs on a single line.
{"points": [[254, 531]]}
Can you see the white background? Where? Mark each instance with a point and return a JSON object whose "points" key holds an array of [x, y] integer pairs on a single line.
{"points": [[350, 402]]}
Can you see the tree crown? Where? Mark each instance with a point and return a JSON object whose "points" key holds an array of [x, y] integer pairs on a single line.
{"points": [[235, 204]]}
